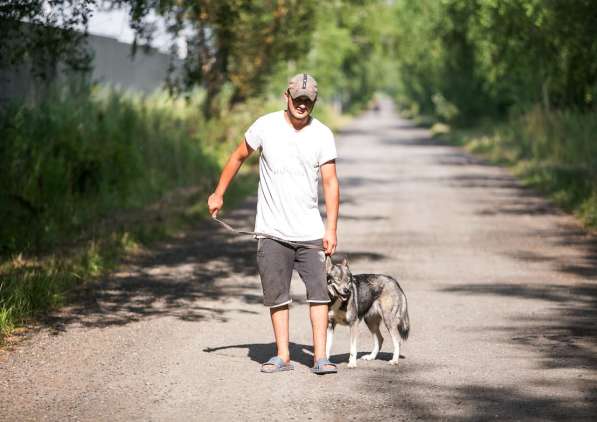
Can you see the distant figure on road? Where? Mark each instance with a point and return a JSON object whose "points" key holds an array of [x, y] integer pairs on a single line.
{"points": [[376, 104], [295, 149]]}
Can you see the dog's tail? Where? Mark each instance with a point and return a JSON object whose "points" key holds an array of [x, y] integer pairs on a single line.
{"points": [[404, 324]]}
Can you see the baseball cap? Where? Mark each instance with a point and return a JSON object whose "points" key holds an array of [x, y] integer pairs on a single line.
{"points": [[303, 84]]}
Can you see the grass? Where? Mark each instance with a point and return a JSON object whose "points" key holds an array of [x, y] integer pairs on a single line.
{"points": [[76, 157], [555, 153]]}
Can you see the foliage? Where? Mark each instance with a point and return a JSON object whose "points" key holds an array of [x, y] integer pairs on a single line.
{"points": [[492, 57], [235, 48], [535, 50], [45, 33], [76, 156], [350, 52], [232, 42]]}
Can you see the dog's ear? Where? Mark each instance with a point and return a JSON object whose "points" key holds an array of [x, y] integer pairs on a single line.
{"points": [[345, 262], [328, 264]]}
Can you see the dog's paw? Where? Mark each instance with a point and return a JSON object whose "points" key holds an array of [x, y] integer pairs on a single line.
{"points": [[352, 363], [368, 357], [393, 362]]}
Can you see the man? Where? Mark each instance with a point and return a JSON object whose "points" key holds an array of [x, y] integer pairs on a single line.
{"points": [[295, 149]]}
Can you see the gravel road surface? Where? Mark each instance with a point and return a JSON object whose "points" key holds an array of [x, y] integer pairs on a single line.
{"points": [[502, 290]]}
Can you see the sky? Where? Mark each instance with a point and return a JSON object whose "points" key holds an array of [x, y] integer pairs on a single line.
{"points": [[115, 24]]}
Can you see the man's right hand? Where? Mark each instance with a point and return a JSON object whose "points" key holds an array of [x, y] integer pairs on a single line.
{"points": [[216, 200], [214, 204]]}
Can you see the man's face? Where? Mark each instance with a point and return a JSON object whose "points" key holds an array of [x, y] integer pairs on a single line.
{"points": [[299, 108]]}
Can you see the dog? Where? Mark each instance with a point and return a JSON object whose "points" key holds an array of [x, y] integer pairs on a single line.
{"points": [[372, 297]]}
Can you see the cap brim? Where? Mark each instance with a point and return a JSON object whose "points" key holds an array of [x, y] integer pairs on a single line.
{"points": [[303, 93]]}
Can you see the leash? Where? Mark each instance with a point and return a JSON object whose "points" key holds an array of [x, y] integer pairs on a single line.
{"points": [[268, 236]]}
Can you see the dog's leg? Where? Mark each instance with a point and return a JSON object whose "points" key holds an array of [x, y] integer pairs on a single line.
{"points": [[354, 334], [329, 340], [391, 323], [373, 325], [396, 340]]}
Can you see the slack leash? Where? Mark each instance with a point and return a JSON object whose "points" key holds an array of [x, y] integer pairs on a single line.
{"points": [[268, 236]]}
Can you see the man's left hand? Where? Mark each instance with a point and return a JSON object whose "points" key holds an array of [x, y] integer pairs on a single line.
{"points": [[329, 242]]}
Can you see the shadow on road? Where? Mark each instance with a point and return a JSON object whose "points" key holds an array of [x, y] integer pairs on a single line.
{"points": [[261, 352], [571, 236], [514, 404], [484, 181], [566, 337], [300, 353], [369, 218], [471, 403], [459, 158], [177, 278], [343, 357]]}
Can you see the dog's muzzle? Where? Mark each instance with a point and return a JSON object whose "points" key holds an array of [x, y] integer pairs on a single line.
{"points": [[343, 293]]}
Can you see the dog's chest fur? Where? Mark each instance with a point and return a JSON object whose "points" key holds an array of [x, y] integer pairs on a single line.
{"points": [[337, 312]]}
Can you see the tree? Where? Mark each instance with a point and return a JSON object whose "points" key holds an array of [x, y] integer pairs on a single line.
{"points": [[44, 33], [350, 54], [487, 56], [235, 42]]}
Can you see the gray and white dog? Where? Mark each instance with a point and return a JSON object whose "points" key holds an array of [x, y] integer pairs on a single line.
{"points": [[372, 297]]}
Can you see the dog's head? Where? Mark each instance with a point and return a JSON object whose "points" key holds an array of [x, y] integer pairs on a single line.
{"points": [[339, 278]]}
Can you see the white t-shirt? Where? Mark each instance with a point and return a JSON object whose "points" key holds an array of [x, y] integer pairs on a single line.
{"points": [[287, 204]]}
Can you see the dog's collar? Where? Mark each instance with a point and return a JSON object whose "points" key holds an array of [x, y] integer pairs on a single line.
{"points": [[355, 294]]}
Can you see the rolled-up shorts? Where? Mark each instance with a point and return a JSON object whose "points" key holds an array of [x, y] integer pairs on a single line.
{"points": [[275, 262]]}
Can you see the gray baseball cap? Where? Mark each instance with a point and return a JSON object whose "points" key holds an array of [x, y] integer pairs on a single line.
{"points": [[303, 84]]}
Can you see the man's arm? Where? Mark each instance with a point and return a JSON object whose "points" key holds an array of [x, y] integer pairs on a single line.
{"points": [[240, 154], [331, 193]]}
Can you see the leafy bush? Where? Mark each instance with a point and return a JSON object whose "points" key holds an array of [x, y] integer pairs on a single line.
{"points": [[73, 158]]}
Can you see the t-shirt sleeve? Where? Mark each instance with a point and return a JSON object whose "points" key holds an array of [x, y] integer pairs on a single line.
{"points": [[328, 148], [253, 135]]}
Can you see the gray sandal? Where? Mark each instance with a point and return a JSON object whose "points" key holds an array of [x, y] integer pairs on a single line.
{"points": [[319, 369], [276, 364]]}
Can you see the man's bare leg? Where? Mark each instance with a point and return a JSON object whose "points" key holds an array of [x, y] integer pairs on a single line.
{"points": [[319, 323], [280, 324]]}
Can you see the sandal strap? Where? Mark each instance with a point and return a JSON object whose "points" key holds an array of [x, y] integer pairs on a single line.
{"points": [[324, 361], [275, 360]]}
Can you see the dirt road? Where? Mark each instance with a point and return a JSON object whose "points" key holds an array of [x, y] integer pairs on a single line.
{"points": [[502, 291]]}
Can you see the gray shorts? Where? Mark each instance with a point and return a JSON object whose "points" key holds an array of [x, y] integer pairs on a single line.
{"points": [[275, 262]]}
